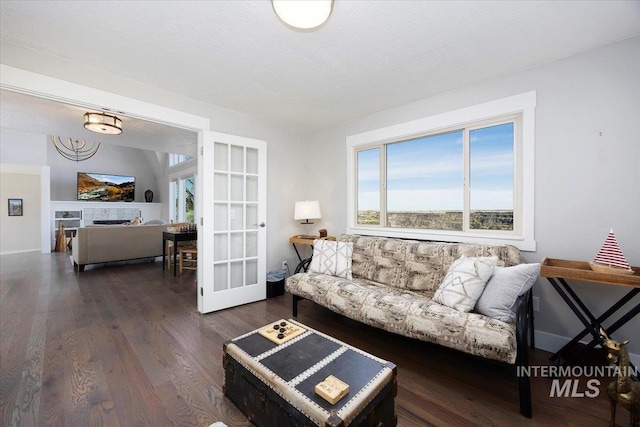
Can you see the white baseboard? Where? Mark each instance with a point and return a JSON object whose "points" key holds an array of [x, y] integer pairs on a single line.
{"points": [[19, 252], [551, 342]]}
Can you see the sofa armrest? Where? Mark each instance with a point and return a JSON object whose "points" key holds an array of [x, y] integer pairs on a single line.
{"points": [[78, 246], [524, 319]]}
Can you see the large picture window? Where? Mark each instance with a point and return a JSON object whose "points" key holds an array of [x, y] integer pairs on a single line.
{"points": [[468, 181], [424, 182]]}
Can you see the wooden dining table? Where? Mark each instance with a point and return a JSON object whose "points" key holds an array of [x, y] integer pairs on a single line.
{"points": [[175, 237]]}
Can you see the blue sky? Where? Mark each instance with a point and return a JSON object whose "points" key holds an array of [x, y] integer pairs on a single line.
{"points": [[427, 173]]}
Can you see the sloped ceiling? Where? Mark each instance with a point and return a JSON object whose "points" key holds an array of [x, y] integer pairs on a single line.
{"points": [[371, 55]]}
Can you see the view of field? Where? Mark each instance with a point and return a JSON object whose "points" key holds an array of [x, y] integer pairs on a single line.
{"points": [[441, 220], [92, 188]]}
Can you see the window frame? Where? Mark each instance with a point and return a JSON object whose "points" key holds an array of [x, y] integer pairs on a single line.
{"points": [[480, 115], [180, 180], [179, 160]]}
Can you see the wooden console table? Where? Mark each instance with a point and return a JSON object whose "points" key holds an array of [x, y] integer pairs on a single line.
{"points": [[558, 271], [305, 240]]}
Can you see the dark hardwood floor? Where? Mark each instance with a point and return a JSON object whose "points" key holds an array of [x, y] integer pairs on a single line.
{"points": [[123, 345]]}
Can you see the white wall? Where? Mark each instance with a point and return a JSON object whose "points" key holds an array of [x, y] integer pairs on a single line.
{"points": [[20, 233], [26, 153], [22, 148], [110, 159], [25, 148], [586, 163]]}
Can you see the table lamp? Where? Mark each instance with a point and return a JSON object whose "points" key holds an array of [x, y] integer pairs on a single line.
{"points": [[307, 210]]}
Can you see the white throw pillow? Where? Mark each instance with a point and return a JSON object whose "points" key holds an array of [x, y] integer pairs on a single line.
{"points": [[333, 258], [464, 282], [504, 288]]}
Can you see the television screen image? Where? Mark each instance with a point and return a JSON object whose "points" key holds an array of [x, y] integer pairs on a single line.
{"points": [[109, 188]]}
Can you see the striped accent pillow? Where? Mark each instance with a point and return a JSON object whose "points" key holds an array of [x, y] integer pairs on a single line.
{"points": [[332, 258]]}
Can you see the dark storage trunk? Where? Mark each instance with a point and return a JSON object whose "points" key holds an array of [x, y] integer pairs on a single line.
{"points": [[273, 384]]}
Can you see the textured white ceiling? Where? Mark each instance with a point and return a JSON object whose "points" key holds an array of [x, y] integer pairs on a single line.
{"points": [[371, 55]]}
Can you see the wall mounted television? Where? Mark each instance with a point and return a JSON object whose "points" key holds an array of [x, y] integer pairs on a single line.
{"points": [[107, 188]]}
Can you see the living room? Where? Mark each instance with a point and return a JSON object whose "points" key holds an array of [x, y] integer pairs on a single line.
{"points": [[584, 177]]}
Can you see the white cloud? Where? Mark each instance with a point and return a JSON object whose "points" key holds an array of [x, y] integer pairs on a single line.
{"points": [[369, 200], [425, 200], [492, 163], [445, 199], [491, 199]]}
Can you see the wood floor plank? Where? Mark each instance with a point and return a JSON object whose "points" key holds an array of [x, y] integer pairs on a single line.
{"points": [[176, 409], [20, 296], [135, 398], [225, 407], [26, 411], [123, 345], [55, 409]]}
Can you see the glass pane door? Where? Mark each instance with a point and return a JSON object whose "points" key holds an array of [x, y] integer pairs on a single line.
{"points": [[234, 198]]}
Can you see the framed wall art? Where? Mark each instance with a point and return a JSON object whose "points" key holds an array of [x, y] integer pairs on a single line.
{"points": [[15, 207]]}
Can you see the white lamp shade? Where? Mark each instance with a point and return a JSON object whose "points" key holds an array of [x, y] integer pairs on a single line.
{"points": [[305, 15], [307, 210]]}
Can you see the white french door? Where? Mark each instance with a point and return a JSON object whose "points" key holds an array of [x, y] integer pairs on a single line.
{"points": [[232, 188]]}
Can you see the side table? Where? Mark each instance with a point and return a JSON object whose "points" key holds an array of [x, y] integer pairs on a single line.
{"points": [[557, 271], [302, 239]]}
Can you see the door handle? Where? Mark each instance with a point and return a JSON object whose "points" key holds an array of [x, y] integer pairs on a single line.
{"points": [[262, 225]]}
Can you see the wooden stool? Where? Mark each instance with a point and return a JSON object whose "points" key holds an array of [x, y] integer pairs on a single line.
{"points": [[190, 263], [169, 255], [170, 249], [70, 242]]}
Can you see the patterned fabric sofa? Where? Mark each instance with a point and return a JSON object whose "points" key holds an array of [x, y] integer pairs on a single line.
{"points": [[392, 288]]}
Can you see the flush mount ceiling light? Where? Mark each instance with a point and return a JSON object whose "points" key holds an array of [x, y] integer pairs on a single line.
{"points": [[303, 15], [103, 123], [75, 149]]}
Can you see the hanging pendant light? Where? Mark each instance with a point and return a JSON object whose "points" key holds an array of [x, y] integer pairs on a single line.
{"points": [[303, 15], [75, 149], [103, 123]]}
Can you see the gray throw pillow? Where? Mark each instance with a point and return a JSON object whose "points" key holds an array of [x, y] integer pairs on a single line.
{"points": [[155, 222], [503, 289]]}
